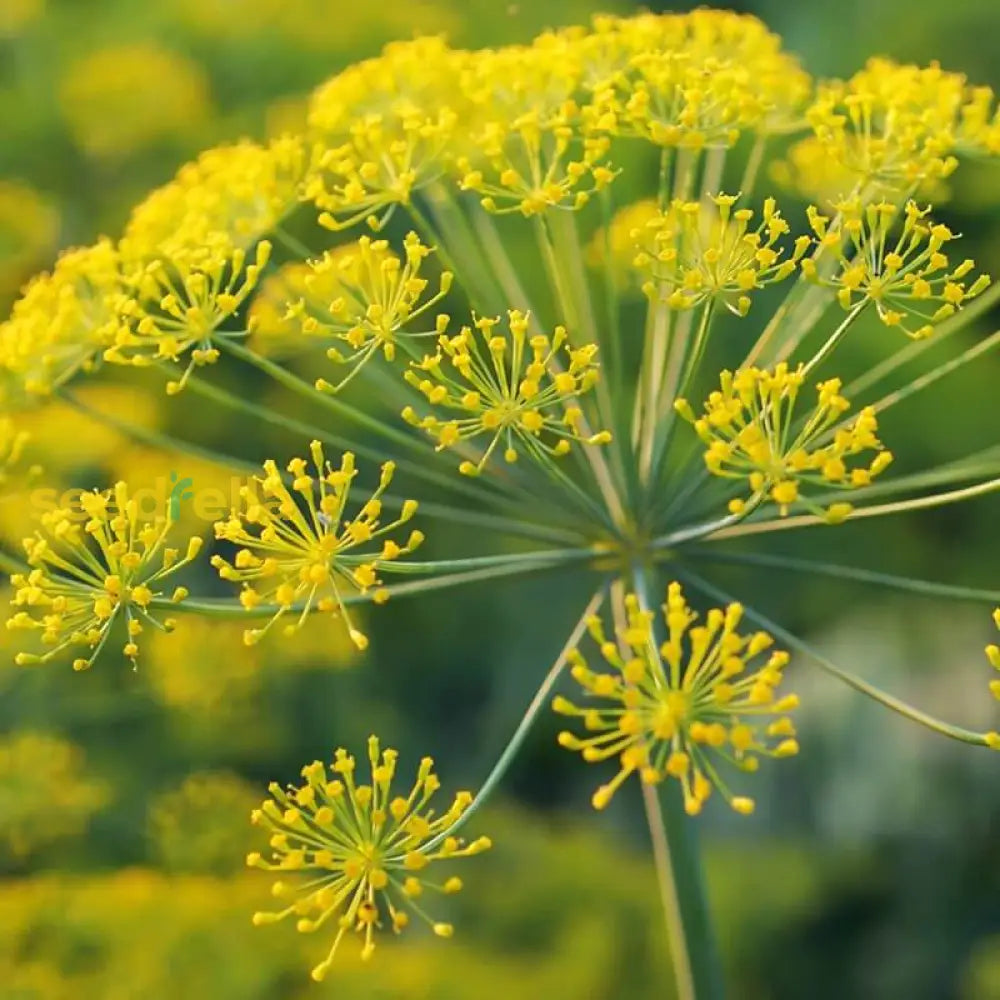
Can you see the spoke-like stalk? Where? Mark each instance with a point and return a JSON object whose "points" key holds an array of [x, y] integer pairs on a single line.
{"points": [[879, 510], [858, 683], [697, 971], [538, 702], [930, 588]]}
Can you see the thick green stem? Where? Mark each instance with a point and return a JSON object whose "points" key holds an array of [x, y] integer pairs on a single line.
{"points": [[697, 970]]}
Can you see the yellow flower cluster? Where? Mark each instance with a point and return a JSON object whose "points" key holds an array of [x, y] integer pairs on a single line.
{"points": [[364, 851], [63, 320], [896, 126], [297, 544], [363, 295], [906, 274], [665, 707], [752, 434], [46, 792], [613, 246], [693, 80], [696, 255], [512, 387], [92, 574], [175, 305]]}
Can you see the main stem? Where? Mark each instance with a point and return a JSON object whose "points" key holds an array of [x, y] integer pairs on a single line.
{"points": [[697, 971]]}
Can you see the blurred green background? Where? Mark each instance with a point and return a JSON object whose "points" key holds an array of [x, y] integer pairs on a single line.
{"points": [[872, 866]]}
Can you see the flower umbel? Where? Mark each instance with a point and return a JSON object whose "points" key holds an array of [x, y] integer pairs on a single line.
{"points": [[297, 543], [673, 704], [364, 851], [907, 276], [750, 429], [511, 387], [694, 254], [86, 578]]}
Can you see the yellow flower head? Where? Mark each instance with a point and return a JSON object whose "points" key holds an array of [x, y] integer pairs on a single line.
{"points": [[231, 196], [906, 273], [695, 80], [298, 545], [46, 792], [64, 319], [382, 129], [752, 433], [174, 305], [364, 852], [363, 296], [126, 98], [663, 708], [893, 126], [696, 254], [90, 575], [509, 386], [530, 147], [614, 246]]}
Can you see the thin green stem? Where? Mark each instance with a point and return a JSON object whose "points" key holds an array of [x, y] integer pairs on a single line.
{"points": [[903, 583], [858, 683], [538, 702]]}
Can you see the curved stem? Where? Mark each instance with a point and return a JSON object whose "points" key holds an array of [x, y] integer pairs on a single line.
{"points": [[527, 720], [929, 587], [858, 683]]}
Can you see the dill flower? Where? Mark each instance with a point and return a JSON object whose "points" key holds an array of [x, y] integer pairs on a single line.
{"points": [[693, 259], [297, 545], [614, 245], [363, 295], [908, 278], [673, 704], [125, 98], [750, 427], [63, 320], [46, 791], [87, 577], [511, 388], [174, 305], [993, 655], [365, 852]]}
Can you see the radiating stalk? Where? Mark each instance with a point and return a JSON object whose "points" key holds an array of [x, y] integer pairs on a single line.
{"points": [[538, 702], [676, 854], [858, 683]]}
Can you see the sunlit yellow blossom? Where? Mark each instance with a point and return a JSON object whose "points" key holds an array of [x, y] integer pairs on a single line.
{"points": [[363, 295], [754, 433], [894, 125], [200, 825], [530, 150], [29, 228], [46, 792], [95, 571], [230, 197], [903, 269], [174, 305], [694, 256], [672, 704], [121, 99], [297, 544], [366, 853], [382, 128], [64, 319], [696, 80], [510, 386]]}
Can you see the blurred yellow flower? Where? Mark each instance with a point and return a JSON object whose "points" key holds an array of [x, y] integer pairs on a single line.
{"points": [[45, 792], [16, 15], [29, 229], [122, 99]]}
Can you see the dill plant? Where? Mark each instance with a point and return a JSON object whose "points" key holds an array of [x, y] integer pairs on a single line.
{"points": [[403, 234]]}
